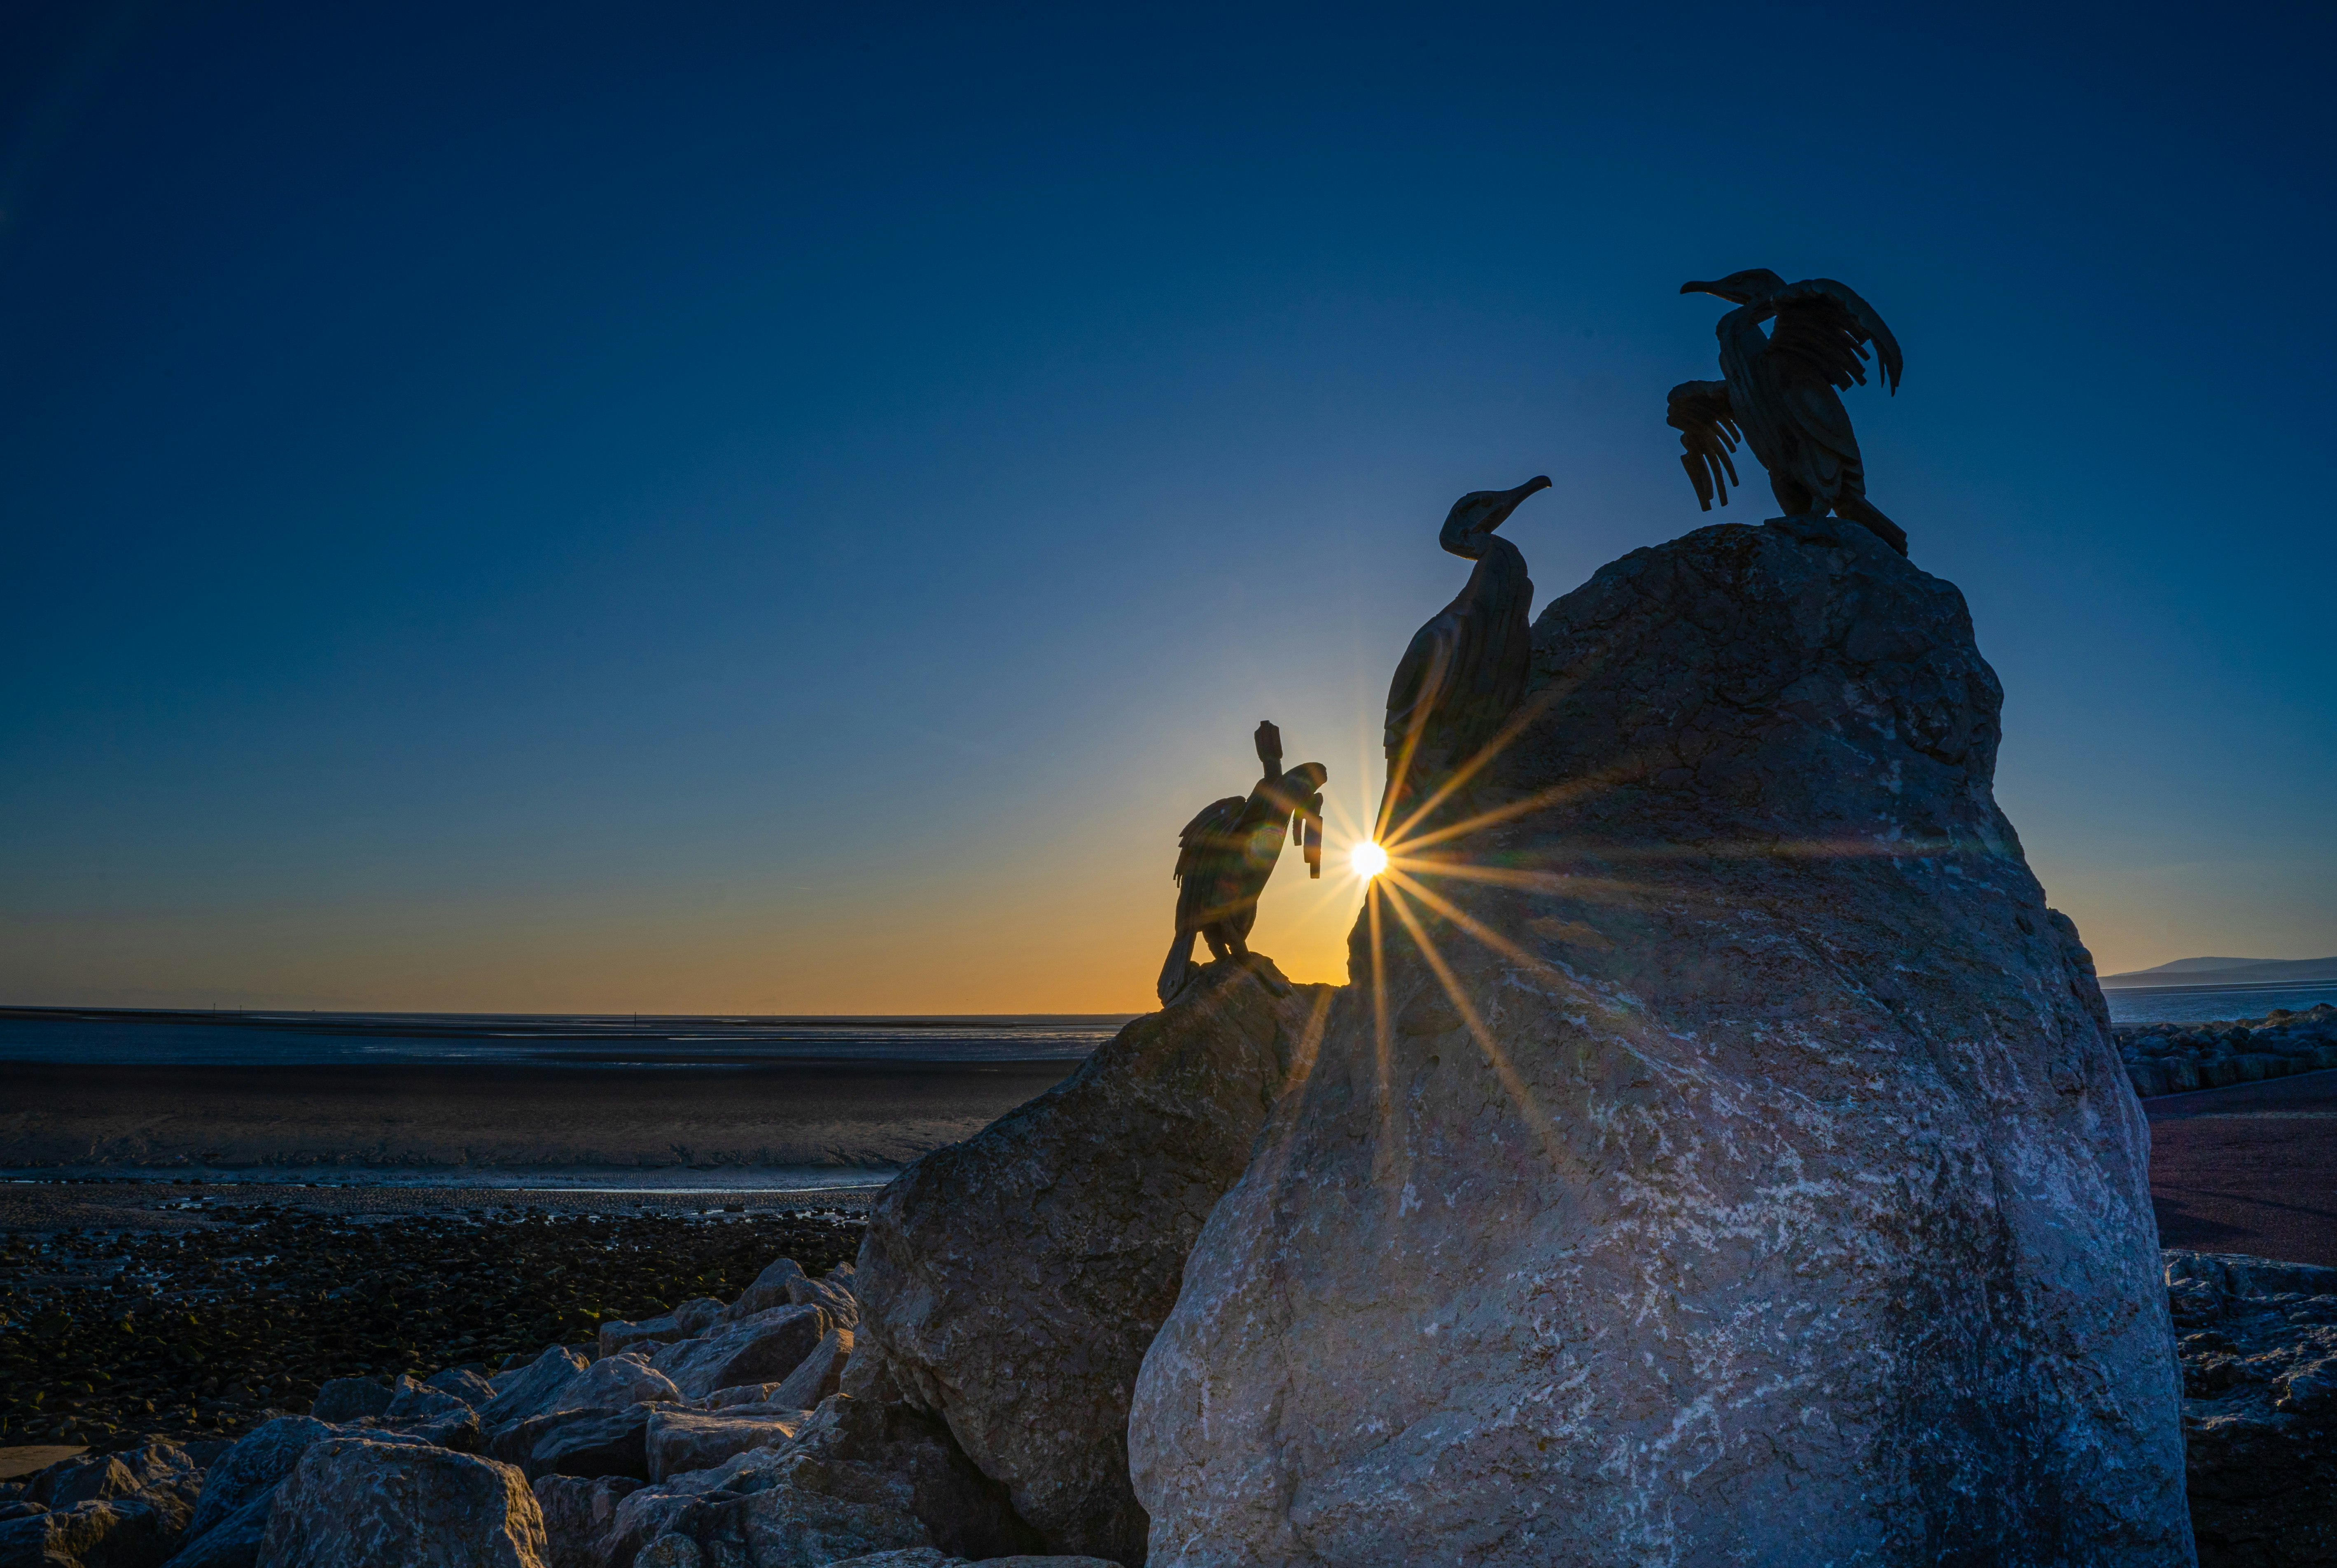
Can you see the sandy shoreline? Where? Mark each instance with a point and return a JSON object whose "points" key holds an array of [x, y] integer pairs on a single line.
{"points": [[398, 1116]]}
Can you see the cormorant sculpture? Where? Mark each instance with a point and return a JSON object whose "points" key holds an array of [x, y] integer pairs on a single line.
{"points": [[1226, 854], [1467, 669], [1779, 394]]}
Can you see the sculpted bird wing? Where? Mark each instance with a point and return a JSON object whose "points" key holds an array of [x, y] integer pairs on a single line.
{"points": [[1209, 832], [1701, 413], [1829, 325]]}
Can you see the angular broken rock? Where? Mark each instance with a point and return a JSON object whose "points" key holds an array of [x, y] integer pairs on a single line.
{"points": [[1011, 1283], [615, 1382], [762, 1349], [679, 1441], [769, 1290], [576, 1514], [356, 1504], [1764, 1188], [816, 1376], [843, 1307], [412, 1400], [585, 1443], [238, 1491], [692, 1317], [2259, 1359], [349, 1399], [532, 1390], [859, 1478], [128, 1534]]}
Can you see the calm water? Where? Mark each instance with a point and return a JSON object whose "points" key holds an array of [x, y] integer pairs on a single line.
{"points": [[281, 1040], [271, 1039], [2197, 1004]]}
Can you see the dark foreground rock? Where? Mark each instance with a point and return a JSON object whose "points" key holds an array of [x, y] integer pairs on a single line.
{"points": [[2259, 1349], [352, 1502], [1765, 1186], [1011, 1283]]}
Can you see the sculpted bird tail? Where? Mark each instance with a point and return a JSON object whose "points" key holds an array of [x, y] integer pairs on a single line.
{"points": [[1172, 973]]}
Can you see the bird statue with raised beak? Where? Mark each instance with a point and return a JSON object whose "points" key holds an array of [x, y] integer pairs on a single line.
{"points": [[1779, 394], [1466, 669], [1226, 854]]}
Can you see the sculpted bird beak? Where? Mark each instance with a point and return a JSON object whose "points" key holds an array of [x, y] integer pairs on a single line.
{"points": [[1508, 502], [1695, 288]]}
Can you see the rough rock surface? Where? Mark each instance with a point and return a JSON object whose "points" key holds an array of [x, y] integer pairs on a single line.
{"points": [[816, 1376], [576, 1514], [765, 1347], [351, 1400], [530, 1391], [679, 1441], [1791, 1205], [585, 1443], [1011, 1283], [237, 1492], [356, 1504], [2259, 1352]]}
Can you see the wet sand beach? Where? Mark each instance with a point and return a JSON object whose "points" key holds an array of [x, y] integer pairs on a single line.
{"points": [[378, 1117], [2251, 1168]]}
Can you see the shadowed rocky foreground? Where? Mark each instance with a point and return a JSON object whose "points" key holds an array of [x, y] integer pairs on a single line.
{"points": [[1720, 1154]]}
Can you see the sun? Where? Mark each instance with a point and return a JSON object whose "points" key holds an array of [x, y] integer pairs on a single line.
{"points": [[1368, 859]]}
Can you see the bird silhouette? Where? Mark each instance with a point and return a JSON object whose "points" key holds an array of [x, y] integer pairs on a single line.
{"points": [[1779, 394], [1226, 854], [1468, 667]]}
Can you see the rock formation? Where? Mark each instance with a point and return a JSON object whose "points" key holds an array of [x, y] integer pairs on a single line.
{"points": [[1011, 1283], [1764, 1187], [2259, 1349]]}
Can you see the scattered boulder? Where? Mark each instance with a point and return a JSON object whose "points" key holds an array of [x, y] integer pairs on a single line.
{"points": [[345, 1399], [531, 1389], [744, 1394], [1011, 1283], [239, 1490], [679, 1441], [468, 1384], [2259, 1360], [584, 1443], [614, 1382], [842, 1306], [770, 1288], [818, 1375], [691, 1319], [1742, 1173], [576, 1514], [129, 1533], [412, 1400], [761, 1348], [352, 1502], [859, 1479]]}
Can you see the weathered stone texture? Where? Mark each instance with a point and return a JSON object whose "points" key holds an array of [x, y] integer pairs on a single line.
{"points": [[353, 1504], [1011, 1283], [1771, 1193]]}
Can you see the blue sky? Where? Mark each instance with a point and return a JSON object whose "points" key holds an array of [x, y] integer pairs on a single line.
{"points": [[725, 508]]}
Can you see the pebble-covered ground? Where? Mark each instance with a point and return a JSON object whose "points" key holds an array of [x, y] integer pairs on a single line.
{"points": [[242, 1308]]}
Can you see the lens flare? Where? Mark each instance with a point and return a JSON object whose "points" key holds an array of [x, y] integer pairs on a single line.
{"points": [[1368, 859]]}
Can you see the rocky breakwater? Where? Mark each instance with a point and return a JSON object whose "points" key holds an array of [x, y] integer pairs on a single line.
{"points": [[2176, 1059], [2259, 1353], [713, 1436], [1722, 1159], [1013, 1282]]}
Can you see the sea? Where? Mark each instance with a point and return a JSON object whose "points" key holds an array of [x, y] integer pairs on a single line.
{"points": [[108, 1036]]}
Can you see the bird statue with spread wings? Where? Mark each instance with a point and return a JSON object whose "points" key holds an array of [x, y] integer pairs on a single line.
{"points": [[1226, 854], [1779, 394]]}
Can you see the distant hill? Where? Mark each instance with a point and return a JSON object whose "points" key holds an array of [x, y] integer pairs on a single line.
{"points": [[2230, 972]]}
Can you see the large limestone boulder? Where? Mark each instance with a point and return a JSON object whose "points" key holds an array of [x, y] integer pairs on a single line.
{"points": [[1764, 1188], [355, 1503], [1009, 1283], [239, 1489]]}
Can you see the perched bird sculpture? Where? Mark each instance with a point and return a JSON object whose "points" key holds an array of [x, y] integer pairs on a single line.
{"points": [[1467, 669], [1779, 394], [1226, 854]]}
